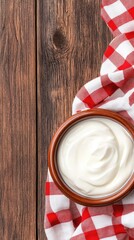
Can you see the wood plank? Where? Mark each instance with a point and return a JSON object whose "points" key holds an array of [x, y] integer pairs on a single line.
{"points": [[71, 41], [17, 121]]}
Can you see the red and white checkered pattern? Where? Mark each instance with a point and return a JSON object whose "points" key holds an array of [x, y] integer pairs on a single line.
{"points": [[113, 90], [119, 15]]}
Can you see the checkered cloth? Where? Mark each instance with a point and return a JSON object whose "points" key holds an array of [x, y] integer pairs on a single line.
{"points": [[113, 90]]}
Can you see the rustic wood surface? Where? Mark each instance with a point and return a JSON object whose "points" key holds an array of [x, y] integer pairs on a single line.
{"points": [[49, 49], [17, 121], [71, 41]]}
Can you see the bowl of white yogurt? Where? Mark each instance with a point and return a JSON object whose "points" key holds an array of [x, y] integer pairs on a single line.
{"points": [[91, 157]]}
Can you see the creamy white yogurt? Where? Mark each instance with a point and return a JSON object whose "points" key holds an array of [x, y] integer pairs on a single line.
{"points": [[96, 157]]}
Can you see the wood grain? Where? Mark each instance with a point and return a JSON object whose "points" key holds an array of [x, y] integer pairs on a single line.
{"points": [[71, 39], [17, 121]]}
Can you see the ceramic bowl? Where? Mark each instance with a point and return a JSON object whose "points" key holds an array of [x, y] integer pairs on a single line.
{"points": [[53, 166]]}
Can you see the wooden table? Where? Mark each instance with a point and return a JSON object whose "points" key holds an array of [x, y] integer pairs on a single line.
{"points": [[49, 49]]}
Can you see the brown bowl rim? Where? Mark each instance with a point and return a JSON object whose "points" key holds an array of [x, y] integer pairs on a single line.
{"points": [[52, 158]]}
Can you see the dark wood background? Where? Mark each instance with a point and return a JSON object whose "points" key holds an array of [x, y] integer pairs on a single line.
{"points": [[49, 49]]}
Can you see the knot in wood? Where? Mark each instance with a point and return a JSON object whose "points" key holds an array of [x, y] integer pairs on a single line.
{"points": [[59, 39]]}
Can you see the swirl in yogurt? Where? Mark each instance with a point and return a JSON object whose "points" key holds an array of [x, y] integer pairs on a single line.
{"points": [[96, 157]]}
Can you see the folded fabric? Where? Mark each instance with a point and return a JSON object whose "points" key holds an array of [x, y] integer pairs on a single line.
{"points": [[113, 90]]}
